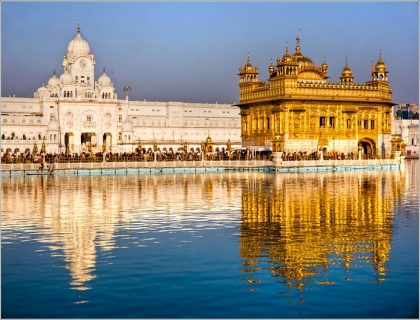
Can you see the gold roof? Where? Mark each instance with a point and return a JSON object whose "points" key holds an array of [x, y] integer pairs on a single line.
{"points": [[380, 65], [346, 71], [287, 57]]}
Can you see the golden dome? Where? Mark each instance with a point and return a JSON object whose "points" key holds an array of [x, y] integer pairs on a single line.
{"points": [[287, 57], [271, 67], [248, 65], [301, 59], [380, 65], [208, 140], [324, 65], [304, 60], [346, 71]]}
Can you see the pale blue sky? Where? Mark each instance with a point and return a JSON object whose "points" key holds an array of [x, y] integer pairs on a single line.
{"points": [[191, 52]]}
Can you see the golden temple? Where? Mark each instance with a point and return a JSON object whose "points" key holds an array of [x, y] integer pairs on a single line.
{"points": [[297, 109]]}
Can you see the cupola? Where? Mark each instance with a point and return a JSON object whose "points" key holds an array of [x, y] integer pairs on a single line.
{"points": [[248, 73], [104, 80], [346, 75], [54, 81], [271, 67], [127, 125], [78, 46], [324, 68], [66, 78], [287, 58], [380, 73], [53, 125]]}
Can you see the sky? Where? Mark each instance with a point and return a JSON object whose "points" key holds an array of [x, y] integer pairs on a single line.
{"points": [[192, 51]]}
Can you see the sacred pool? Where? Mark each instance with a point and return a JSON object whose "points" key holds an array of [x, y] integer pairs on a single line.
{"points": [[213, 245]]}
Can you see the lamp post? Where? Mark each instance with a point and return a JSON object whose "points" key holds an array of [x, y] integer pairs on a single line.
{"points": [[126, 89]]}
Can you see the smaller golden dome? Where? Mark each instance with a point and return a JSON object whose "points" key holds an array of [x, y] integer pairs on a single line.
{"points": [[346, 71], [324, 65], [248, 65], [208, 140], [271, 67], [380, 65], [287, 57]]}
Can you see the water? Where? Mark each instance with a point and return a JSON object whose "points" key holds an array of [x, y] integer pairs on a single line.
{"points": [[231, 245]]}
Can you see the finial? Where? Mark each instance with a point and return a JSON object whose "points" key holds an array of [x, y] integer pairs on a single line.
{"points": [[287, 47], [346, 62], [54, 71], [104, 69], [380, 54], [325, 60], [248, 57], [78, 27]]}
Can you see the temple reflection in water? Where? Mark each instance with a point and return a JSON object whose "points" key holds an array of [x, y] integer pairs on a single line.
{"points": [[302, 223], [305, 224]]}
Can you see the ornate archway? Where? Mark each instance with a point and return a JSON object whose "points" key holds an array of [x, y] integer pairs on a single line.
{"points": [[368, 147]]}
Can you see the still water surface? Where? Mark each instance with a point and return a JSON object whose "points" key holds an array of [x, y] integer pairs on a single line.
{"points": [[232, 245]]}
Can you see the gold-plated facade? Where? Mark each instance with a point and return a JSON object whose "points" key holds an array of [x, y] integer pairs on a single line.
{"points": [[297, 109]]}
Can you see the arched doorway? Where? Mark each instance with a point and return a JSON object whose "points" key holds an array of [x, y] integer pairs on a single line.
{"points": [[88, 141], [69, 142], [368, 147], [107, 140]]}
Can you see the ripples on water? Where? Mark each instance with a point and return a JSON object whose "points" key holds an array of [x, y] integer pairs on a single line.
{"points": [[200, 245]]}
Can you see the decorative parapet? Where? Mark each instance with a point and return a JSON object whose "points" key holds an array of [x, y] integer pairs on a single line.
{"points": [[318, 90]]}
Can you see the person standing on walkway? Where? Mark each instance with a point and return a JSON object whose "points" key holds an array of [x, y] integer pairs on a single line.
{"points": [[41, 161]]}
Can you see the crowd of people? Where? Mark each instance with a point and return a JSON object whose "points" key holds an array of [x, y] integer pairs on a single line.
{"points": [[180, 155]]}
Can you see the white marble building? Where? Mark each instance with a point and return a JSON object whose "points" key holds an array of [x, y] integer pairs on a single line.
{"points": [[409, 131], [73, 111]]}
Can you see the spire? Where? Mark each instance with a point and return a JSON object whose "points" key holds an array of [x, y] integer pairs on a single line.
{"points": [[54, 72], [287, 47], [298, 45], [78, 27], [104, 70]]}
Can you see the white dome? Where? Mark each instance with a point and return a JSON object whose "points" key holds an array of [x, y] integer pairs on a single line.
{"points": [[127, 125], [41, 89], [78, 46], [66, 78], [54, 81], [53, 125], [104, 80]]}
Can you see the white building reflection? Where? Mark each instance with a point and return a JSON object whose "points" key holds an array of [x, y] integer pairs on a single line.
{"points": [[78, 216]]}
